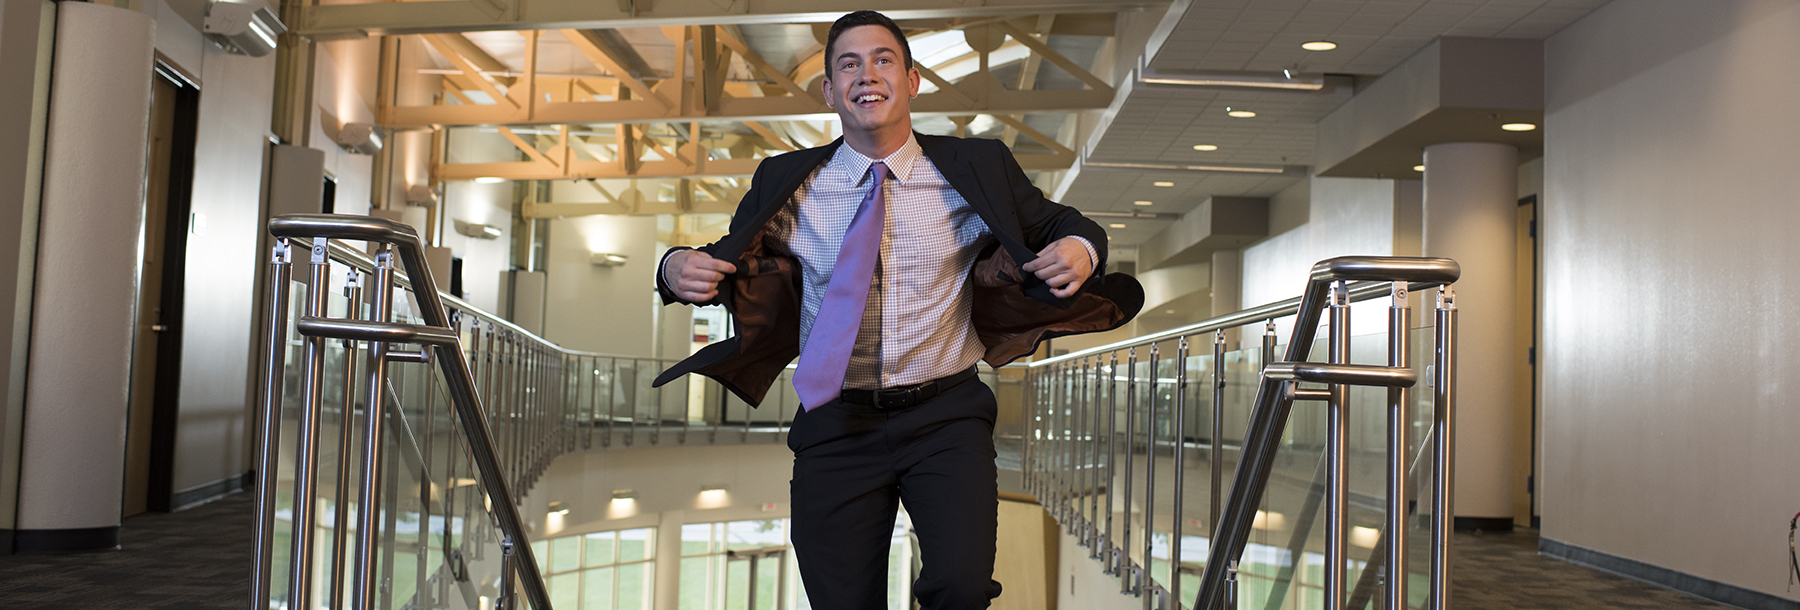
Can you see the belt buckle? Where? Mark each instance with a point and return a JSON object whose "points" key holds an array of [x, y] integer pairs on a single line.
{"points": [[897, 398]]}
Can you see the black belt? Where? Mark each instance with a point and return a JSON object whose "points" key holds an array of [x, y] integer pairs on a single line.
{"points": [[906, 396]]}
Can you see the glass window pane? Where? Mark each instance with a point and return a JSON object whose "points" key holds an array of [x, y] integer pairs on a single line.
{"points": [[754, 534], [565, 554], [694, 583], [598, 592], [541, 551], [600, 548], [696, 538], [634, 586], [565, 590], [635, 545]]}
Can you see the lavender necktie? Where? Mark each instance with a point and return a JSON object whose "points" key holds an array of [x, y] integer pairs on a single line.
{"points": [[820, 377]]}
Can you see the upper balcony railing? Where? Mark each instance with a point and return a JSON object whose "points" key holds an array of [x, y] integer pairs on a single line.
{"points": [[1109, 448]]}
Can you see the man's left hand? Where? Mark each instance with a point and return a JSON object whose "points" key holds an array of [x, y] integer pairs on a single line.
{"points": [[1064, 265]]}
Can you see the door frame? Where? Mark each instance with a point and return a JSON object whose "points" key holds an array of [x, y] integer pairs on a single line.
{"points": [[165, 414]]}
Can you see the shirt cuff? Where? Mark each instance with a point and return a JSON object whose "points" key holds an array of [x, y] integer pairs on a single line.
{"points": [[1093, 256], [662, 278]]}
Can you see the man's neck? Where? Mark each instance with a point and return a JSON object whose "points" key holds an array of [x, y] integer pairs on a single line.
{"points": [[878, 145]]}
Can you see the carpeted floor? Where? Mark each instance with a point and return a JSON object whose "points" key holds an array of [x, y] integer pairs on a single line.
{"points": [[200, 559], [195, 559]]}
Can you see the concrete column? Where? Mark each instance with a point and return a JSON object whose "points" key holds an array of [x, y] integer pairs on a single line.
{"points": [[1227, 287], [72, 466], [1470, 215], [667, 591]]}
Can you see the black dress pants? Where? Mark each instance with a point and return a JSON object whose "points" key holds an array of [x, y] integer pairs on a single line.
{"points": [[853, 465]]}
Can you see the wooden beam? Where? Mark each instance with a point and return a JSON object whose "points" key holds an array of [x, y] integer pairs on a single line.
{"points": [[591, 46]]}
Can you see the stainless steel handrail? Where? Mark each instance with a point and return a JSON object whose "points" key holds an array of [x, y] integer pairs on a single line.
{"points": [[458, 377]]}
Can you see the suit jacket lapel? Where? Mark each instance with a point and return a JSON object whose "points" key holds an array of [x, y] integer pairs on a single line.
{"points": [[784, 187], [960, 173]]}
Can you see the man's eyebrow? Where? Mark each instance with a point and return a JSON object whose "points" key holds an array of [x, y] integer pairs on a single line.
{"points": [[877, 51]]}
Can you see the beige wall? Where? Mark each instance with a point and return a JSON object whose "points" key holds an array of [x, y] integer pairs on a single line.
{"points": [[236, 96], [1670, 432]]}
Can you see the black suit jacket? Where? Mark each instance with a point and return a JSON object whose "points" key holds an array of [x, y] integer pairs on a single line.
{"points": [[1014, 310]]}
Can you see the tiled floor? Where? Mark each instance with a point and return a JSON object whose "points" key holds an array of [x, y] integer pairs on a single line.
{"points": [[200, 559], [1503, 571]]}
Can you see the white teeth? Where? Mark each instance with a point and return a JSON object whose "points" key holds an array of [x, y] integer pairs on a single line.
{"points": [[870, 98]]}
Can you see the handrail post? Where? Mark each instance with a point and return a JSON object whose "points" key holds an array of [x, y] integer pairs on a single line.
{"points": [[365, 585], [1095, 547], [1218, 429], [1149, 582], [340, 514], [306, 463], [1399, 355], [1108, 554], [1337, 505], [1181, 383], [269, 438], [1443, 443], [1126, 568]]}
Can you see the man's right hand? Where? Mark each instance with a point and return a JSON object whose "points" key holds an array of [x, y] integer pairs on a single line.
{"points": [[694, 275]]}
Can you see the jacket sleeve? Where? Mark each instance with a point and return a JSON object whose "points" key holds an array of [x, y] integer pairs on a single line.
{"points": [[1044, 221], [746, 212]]}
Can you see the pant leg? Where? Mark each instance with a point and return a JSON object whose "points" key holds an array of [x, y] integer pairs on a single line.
{"points": [[844, 501], [949, 485]]}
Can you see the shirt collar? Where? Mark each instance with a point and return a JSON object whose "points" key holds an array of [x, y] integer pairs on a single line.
{"points": [[900, 163]]}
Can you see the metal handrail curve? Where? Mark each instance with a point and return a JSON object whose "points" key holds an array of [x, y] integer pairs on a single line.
{"points": [[1366, 271]]}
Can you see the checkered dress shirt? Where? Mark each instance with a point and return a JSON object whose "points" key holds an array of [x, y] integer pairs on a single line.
{"points": [[916, 325]]}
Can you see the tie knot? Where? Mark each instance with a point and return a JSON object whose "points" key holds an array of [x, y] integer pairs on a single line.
{"points": [[881, 171]]}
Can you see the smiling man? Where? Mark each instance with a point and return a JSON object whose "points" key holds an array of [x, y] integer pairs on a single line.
{"points": [[890, 263]]}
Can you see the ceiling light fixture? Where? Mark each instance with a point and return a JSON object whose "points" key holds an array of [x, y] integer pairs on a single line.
{"points": [[1117, 225], [1237, 169], [1519, 126], [489, 180], [1288, 79], [1239, 114], [1418, 168], [1141, 203], [1163, 183], [1318, 45], [1207, 147]]}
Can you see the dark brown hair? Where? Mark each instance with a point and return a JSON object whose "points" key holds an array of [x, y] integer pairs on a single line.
{"points": [[858, 19]]}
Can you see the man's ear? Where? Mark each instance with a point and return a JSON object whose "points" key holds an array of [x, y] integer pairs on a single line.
{"points": [[912, 75], [825, 88]]}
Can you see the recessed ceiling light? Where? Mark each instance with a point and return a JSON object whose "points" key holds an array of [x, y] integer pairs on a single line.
{"points": [[1163, 183], [1117, 225], [1318, 45], [1418, 168], [489, 180], [1205, 147], [1140, 203], [1519, 126], [1240, 114]]}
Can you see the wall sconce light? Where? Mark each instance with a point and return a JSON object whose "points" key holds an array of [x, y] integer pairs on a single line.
{"points": [[557, 508], [243, 28], [477, 231], [624, 494], [360, 138], [422, 195], [608, 259], [713, 495]]}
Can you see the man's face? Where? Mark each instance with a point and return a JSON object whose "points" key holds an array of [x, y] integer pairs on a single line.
{"points": [[868, 83]]}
